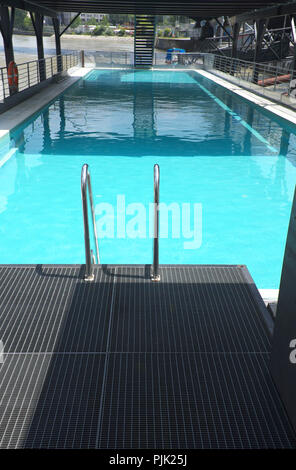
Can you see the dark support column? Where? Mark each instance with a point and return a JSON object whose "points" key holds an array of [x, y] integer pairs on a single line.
{"points": [[235, 35], [223, 28], [37, 20], [6, 27], [283, 356], [293, 28], [260, 28], [56, 26]]}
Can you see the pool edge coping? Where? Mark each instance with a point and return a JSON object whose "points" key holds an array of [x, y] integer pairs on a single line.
{"points": [[280, 110]]}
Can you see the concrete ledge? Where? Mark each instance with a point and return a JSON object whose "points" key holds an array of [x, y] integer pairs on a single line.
{"points": [[278, 109], [269, 295], [19, 113]]}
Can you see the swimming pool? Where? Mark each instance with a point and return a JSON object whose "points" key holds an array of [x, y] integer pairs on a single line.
{"points": [[233, 159]]}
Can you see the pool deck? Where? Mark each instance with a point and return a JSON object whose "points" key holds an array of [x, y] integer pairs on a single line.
{"points": [[19, 113], [123, 362]]}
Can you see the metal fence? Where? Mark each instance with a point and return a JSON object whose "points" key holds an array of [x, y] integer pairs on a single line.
{"points": [[108, 58], [126, 59], [277, 81], [29, 72], [188, 59]]}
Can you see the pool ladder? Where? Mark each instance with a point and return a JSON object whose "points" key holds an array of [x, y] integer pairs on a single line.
{"points": [[90, 257]]}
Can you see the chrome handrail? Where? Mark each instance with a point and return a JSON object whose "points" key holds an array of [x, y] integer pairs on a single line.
{"points": [[89, 255], [155, 276]]}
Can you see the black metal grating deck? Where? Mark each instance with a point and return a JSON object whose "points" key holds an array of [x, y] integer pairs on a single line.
{"points": [[127, 363], [192, 400]]}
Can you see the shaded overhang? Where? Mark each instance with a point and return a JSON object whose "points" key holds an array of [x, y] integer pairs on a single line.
{"points": [[191, 8]]}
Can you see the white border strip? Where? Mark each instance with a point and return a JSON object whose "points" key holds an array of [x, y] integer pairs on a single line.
{"points": [[16, 115], [265, 103], [7, 156]]}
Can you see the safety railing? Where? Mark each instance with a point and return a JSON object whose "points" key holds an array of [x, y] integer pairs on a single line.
{"points": [[275, 81], [187, 59], [33, 72], [155, 276], [108, 58], [90, 258], [126, 59]]}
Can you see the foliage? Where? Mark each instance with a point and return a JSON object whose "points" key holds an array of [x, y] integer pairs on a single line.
{"points": [[167, 33], [92, 21], [76, 23], [28, 23], [109, 32], [99, 30], [121, 19], [121, 32], [19, 18], [105, 21]]}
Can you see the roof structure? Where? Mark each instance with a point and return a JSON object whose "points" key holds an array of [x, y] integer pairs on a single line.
{"points": [[191, 8]]}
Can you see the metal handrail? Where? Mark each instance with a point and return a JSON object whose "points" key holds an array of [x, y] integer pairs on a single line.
{"points": [[28, 72], [89, 255], [155, 276]]}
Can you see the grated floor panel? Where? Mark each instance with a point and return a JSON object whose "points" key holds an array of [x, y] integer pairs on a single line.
{"points": [[127, 363]]}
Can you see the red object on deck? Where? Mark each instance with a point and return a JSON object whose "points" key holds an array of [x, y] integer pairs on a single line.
{"points": [[273, 80]]}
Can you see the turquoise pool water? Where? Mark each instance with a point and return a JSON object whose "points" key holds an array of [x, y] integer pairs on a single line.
{"points": [[214, 149]]}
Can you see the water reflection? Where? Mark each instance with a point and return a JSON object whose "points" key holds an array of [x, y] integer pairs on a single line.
{"points": [[106, 116]]}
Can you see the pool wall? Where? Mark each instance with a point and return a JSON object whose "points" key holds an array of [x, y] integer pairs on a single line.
{"points": [[28, 108]]}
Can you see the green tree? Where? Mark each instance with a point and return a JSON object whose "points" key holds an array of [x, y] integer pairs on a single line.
{"points": [[167, 33], [109, 32], [19, 18], [120, 19], [76, 23], [105, 21], [99, 30], [121, 32], [92, 21], [28, 26]]}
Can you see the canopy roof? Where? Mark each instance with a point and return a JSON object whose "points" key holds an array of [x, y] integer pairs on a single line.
{"points": [[191, 8]]}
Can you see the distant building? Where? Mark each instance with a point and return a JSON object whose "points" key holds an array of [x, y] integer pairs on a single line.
{"points": [[66, 17], [85, 17]]}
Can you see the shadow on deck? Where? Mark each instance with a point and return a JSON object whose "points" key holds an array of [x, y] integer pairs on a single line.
{"points": [[126, 363]]}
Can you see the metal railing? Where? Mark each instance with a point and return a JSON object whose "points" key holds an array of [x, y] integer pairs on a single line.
{"points": [[186, 59], [90, 258], [126, 59], [155, 276], [275, 81], [30, 73], [108, 58]]}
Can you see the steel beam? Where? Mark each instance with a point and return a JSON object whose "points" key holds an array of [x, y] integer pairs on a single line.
{"points": [[37, 20], [270, 12], [224, 29], [30, 6], [56, 27], [71, 22], [235, 35], [260, 27], [293, 28], [6, 27]]}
